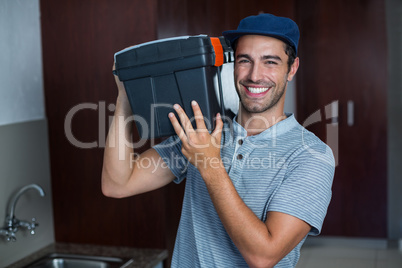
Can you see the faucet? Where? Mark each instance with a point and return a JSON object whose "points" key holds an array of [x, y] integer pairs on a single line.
{"points": [[12, 223]]}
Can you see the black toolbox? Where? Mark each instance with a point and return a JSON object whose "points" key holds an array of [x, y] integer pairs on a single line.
{"points": [[161, 73]]}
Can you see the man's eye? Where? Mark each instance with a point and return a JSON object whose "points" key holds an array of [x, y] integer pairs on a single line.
{"points": [[272, 62], [243, 61]]}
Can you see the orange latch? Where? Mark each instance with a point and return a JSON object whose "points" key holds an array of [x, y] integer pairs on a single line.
{"points": [[216, 43]]}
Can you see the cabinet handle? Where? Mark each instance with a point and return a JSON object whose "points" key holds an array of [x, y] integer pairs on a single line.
{"points": [[335, 112], [351, 113], [332, 112]]}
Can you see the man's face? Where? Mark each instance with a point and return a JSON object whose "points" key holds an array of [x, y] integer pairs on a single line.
{"points": [[261, 72]]}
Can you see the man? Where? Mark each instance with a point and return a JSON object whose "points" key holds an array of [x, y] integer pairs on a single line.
{"points": [[255, 187]]}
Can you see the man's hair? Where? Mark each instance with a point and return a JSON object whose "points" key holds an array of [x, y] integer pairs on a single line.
{"points": [[289, 50]]}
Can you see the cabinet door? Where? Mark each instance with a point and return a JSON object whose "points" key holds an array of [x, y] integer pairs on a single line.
{"points": [[341, 97]]}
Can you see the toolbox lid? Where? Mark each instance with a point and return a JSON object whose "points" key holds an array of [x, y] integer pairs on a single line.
{"points": [[172, 54], [165, 40]]}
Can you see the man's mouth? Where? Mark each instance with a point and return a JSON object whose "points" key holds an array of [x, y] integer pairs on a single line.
{"points": [[257, 90]]}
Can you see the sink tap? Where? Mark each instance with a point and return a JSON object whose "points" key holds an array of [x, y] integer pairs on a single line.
{"points": [[12, 223], [10, 235]]}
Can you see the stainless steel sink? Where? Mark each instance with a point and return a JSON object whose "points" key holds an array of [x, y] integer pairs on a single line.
{"points": [[57, 260]]}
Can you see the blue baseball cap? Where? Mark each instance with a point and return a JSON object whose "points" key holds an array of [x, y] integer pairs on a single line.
{"points": [[281, 28]]}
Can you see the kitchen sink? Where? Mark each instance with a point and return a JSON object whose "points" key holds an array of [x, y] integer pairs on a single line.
{"points": [[57, 260]]}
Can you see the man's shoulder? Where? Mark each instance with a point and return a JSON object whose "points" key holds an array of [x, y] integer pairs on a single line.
{"points": [[308, 146], [301, 133]]}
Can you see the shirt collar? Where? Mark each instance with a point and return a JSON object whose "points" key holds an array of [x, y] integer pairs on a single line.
{"points": [[276, 130]]}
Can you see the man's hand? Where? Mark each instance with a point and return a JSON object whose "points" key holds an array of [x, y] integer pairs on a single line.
{"points": [[120, 85], [200, 147]]}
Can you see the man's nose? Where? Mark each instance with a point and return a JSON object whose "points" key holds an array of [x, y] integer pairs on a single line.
{"points": [[255, 73]]}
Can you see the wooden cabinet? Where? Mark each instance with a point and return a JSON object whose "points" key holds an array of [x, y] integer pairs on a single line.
{"points": [[79, 39], [343, 59]]}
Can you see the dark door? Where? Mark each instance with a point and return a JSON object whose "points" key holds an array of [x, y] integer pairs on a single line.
{"points": [[341, 90]]}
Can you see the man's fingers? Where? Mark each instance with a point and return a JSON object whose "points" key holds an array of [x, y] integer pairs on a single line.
{"points": [[199, 118], [177, 127], [188, 128], [217, 133], [218, 125]]}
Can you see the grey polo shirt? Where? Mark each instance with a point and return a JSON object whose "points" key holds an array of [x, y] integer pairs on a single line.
{"points": [[285, 168]]}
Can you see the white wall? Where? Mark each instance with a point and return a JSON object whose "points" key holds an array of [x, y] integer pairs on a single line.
{"points": [[24, 153], [21, 87], [24, 159]]}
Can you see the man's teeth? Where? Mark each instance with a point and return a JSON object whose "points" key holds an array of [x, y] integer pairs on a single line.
{"points": [[256, 90]]}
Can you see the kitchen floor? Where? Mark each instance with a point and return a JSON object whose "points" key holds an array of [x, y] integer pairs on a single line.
{"points": [[349, 253]]}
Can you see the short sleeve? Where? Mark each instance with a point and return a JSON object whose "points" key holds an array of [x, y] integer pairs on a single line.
{"points": [[305, 192], [170, 151]]}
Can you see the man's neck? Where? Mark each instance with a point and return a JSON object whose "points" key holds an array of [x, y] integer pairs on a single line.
{"points": [[255, 123]]}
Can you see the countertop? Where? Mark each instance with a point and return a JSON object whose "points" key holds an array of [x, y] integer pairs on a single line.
{"points": [[143, 258]]}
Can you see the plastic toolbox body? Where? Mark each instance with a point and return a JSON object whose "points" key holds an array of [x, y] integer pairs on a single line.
{"points": [[159, 74]]}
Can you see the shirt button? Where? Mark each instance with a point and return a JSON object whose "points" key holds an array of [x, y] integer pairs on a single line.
{"points": [[239, 156], [240, 142]]}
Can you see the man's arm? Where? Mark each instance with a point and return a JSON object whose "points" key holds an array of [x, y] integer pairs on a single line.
{"points": [[121, 175], [261, 244]]}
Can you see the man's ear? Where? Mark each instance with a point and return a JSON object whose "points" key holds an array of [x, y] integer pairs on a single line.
{"points": [[293, 69]]}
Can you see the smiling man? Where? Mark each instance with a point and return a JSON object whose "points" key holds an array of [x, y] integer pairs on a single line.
{"points": [[256, 186], [261, 76]]}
